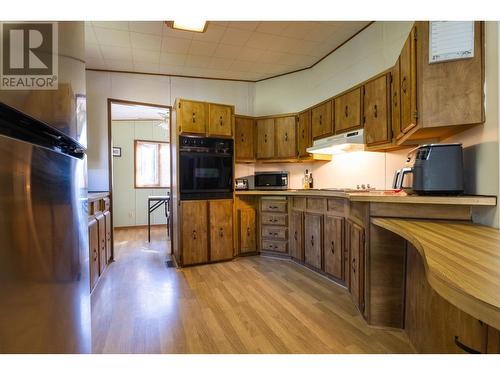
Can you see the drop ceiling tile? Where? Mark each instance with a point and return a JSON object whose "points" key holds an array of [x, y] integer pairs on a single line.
{"points": [[146, 41], [146, 27], [169, 32], [220, 63], [243, 25], [250, 54], [116, 53], [241, 66], [199, 48], [272, 27], [140, 55], [116, 25], [297, 29], [284, 44], [177, 59], [219, 23], [198, 61], [236, 36], [89, 33], [175, 45], [259, 40], [227, 51], [172, 69], [213, 33], [144, 67], [92, 51], [111, 37], [95, 64], [119, 64], [272, 57]]}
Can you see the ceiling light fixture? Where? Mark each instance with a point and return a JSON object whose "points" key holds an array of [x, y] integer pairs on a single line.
{"points": [[197, 26]]}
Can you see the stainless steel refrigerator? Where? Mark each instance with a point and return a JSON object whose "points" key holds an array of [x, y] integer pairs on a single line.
{"points": [[44, 257]]}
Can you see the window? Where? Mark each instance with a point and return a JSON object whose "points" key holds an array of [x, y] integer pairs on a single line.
{"points": [[152, 168]]}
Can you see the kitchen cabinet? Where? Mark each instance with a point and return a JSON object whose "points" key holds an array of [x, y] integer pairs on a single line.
{"points": [[274, 224], [192, 116], [348, 111], [322, 120], [220, 120], [395, 101], [355, 242], [265, 138], [285, 137], [376, 112], [244, 142], [408, 85], [247, 231], [313, 229], [296, 235], [333, 245], [109, 230], [93, 251], [101, 226], [304, 133], [194, 232], [221, 229]]}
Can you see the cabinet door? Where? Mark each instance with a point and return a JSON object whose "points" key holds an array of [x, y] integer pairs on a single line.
{"points": [[304, 133], [93, 252], [408, 84], [220, 120], [395, 101], [313, 228], [244, 139], [247, 231], [333, 245], [286, 140], [296, 235], [221, 229], [348, 111], [109, 250], [356, 264], [376, 112], [194, 234], [192, 117], [322, 120], [265, 138], [101, 225]]}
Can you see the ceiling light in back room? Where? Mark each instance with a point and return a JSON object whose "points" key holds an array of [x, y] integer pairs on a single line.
{"points": [[198, 26]]}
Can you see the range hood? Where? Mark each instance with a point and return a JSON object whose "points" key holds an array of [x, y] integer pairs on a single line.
{"points": [[337, 144]]}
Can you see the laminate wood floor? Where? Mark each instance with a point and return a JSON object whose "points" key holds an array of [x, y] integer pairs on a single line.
{"points": [[249, 305]]}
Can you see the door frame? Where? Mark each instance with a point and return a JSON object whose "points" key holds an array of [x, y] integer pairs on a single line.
{"points": [[110, 157]]}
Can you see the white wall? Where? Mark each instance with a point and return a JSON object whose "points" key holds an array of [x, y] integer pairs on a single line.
{"points": [[130, 205]]}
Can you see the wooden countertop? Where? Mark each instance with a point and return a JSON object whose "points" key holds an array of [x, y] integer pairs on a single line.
{"points": [[380, 196], [462, 262], [93, 196]]}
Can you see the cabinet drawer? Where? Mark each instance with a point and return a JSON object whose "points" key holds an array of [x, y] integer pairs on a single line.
{"points": [[336, 205], [278, 233], [316, 204], [274, 219], [273, 206], [280, 246], [299, 203]]}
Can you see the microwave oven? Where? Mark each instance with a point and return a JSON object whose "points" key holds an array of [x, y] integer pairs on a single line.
{"points": [[271, 180]]}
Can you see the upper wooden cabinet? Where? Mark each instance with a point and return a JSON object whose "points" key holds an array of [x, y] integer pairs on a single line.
{"points": [[304, 133], [376, 112], [348, 111], [192, 116], [265, 138], [322, 120], [408, 85], [244, 142], [220, 120], [285, 137], [395, 100]]}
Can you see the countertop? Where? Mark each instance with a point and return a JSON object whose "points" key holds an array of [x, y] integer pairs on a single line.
{"points": [[462, 262], [95, 195], [379, 196]]}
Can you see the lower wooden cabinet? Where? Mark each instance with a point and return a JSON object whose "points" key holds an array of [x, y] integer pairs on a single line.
{"points": [[93, 252], [313, 229], [296, 235], [194, 232], [221, 229], [247, 241], [109, 230], [101, 225], [333, 247], [355, 243]]}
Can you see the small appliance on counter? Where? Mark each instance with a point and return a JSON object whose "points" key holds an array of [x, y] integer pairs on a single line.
{"points": [[434, 169], [241, 184], [271, 180]]}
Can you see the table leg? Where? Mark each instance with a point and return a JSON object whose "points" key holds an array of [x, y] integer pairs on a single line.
{"points": [[149, 220]]}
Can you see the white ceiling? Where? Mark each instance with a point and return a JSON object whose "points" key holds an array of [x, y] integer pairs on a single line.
{"points": [[137, 112], [243, 50]]}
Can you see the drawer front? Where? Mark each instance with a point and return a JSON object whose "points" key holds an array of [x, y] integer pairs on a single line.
{"points": [[106, 205], [273, 206], [280, 246], [276, 233], [316, 204], [274, 219], [299, 203], [336, 205]]}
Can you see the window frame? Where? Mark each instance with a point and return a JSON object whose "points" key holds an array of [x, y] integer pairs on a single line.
{"points": [[136, 142]]}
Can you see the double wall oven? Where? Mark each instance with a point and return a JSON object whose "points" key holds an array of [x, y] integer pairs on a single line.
{"points": [[205, 168]]}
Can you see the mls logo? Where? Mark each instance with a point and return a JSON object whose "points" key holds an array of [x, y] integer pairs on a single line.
{"points": [[28, 56]]}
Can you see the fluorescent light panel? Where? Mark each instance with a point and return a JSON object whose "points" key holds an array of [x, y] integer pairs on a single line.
{"points": [[198, 26]]}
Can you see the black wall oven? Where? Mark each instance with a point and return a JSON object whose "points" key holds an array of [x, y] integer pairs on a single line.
{"points": [[205, 168]]}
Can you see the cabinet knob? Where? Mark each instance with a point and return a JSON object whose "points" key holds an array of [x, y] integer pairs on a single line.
{"points": [[295, 236], [353, 265], [220, 120], [221, 232], [395, 99], [312, 240], [375, 111], [248, 231], [194, 235], [346, 111], [320, 119], [265, 138], [303, 134], [286, 137], [194, 117], [404, 85], [333, 247]]}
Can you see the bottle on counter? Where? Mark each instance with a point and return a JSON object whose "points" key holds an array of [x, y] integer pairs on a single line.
{"points": [[305, 180], [310, 180]]}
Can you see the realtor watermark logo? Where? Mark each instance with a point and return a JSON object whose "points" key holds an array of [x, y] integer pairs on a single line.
{"points": [[28, 56]]}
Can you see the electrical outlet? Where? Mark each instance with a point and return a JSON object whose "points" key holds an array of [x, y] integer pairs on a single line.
{"points": [[131, 214]]}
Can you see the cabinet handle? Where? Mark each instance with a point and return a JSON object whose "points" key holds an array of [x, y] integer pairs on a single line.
{"points": [[242, 138], [194, 235], [320, 119], [312, 241], [248, 231], [286, 137], [333, 247], [353, 265], [265, 138], [194, 117], [375, 111], [273, 207], [220, 120], [403, 85], [395, 99], [346, 111], [464, 347], [221, 232], [303, 134], [295, 236]]}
